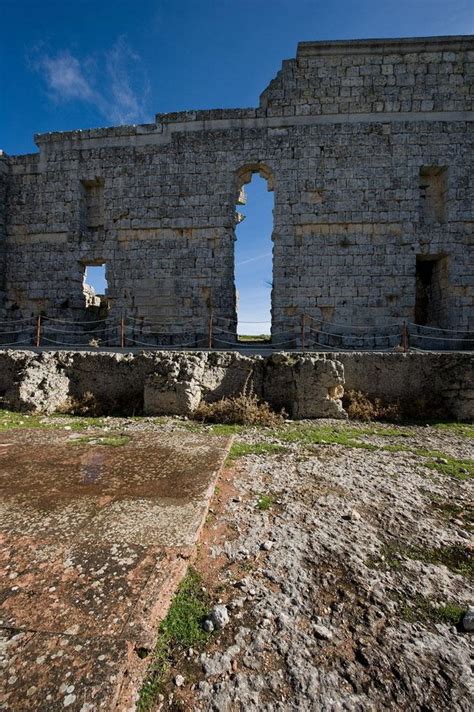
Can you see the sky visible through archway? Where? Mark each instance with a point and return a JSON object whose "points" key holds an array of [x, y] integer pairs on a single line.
{"points": [[253, 259]]}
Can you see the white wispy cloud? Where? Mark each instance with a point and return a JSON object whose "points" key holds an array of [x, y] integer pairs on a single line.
{"points": [[115, 82], [254, 259]]}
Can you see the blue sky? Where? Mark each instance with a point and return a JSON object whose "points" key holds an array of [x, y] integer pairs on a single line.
{"points": [[68, 64]]}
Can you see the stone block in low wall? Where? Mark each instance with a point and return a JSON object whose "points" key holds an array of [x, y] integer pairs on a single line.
{"points": [[305, 386], [182, 380], [428, 381], [33, 382]]}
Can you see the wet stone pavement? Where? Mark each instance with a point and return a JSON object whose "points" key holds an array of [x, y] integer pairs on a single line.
{"points": [[94, 539]]}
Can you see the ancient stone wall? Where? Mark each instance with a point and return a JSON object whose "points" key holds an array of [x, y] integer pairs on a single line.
{"points": [[174, 383], [368, 147]]}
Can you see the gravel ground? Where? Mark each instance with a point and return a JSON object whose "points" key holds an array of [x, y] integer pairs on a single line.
{"points": [[343, 594]]}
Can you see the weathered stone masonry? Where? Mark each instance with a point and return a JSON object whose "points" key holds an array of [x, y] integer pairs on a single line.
{"points": [[368, 146]]}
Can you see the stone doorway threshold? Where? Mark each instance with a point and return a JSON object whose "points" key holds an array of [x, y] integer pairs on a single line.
{"points": [[95, 537]]}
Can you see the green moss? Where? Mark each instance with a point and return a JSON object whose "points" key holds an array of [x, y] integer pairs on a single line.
{"points": [[181, 629], [451, 613], [456, 558], [421, 609], [396, 448], [325, 435], [241, 449], [12, 421], [451, 467], [109, 440], [451, 510], [466, 430], [226, 429]]}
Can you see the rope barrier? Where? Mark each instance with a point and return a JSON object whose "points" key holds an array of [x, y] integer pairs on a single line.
{"points": [[436, 328], [438, 338], [306, 334]]}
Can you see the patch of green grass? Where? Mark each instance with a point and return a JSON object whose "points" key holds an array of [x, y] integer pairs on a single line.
{"points": [[450, 613], [421, 609], [10, 420], [108, 440], [226, 429], [78, 422], [242, 449], [396, 448], [456, 558], [388, 557], [325, 435], [253, 337], [264, 502], [464, 429], [181, 629], [451, 467]]}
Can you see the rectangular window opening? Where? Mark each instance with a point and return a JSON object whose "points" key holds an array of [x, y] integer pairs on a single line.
{"points": [[432, 290], [95, 285], [433, 193]]}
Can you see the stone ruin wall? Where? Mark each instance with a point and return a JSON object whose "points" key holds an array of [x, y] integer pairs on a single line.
{"points": [[175, 382], [367, 145]]}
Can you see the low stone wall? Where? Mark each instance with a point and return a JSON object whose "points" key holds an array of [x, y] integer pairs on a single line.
{"points": [[174, 383], [441, 380]]}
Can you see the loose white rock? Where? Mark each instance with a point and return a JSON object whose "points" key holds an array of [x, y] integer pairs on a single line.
{"points": [[219, 616]]}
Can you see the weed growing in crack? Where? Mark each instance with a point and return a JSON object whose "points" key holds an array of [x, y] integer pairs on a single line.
{"points": [[180, 630], [264, 502]]}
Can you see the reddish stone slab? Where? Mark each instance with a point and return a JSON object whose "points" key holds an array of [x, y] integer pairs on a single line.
{"points": [[93, 541]]}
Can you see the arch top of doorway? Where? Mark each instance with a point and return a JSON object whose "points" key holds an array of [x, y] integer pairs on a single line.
{"points": [[245, 173]]}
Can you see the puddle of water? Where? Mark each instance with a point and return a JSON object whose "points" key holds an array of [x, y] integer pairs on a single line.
{"points": [[172, 467]]}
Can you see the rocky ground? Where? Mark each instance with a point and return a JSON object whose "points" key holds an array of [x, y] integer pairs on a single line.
{"points": [[342, 553], [345, 568]]}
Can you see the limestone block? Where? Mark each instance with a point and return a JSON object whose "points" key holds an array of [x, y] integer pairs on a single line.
{"points": [[38, 383], [305, 386], [166, 396]]}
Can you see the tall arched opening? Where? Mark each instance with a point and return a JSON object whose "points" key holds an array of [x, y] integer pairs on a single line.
{"points": [[253, 253]]}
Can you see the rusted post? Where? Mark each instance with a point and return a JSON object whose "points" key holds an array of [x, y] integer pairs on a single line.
{"points": [[38, 331], [209, 331], [303, 320], [122, 333], [405, 337]]}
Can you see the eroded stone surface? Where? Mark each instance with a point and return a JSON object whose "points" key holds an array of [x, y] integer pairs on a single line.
{"points": [[93, 541]]}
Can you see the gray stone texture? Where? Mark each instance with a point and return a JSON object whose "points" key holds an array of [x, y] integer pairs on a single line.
{"points": [[173, 383], [346, 135], [443, 379]]}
